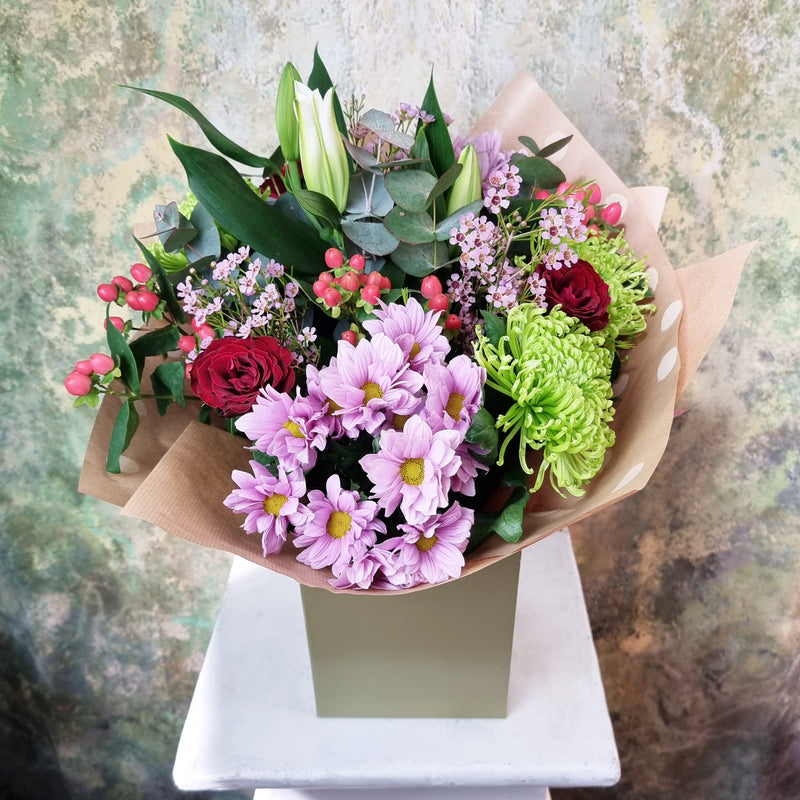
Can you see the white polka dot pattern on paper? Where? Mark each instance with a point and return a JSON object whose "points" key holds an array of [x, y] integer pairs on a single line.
{"points": [[629, 476], [667, 363], [671, 313], [127, 466], [619, 385], [652, 272]]}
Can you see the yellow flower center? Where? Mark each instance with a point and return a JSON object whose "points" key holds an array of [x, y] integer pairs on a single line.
{"points": [[274, 504], [371, 392], [399, 421], [333, 407], [454, 405], [293, 428], [415, 348], [338, 524], [412, 471], [425, 543]]}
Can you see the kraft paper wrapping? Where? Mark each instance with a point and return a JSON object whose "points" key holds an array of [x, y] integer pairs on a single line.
{"points": [[180, 488]]}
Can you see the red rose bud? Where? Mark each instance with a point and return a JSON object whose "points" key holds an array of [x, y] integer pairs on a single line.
{"points": [[580, 292], [230, 372], [611, 213]]}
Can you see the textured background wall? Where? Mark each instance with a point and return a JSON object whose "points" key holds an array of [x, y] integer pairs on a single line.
{"points": [[692, 585]]}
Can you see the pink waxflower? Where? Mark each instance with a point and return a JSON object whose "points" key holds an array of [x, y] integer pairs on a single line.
{"points": [[340, 527], [455, 392], [433, 550], [413, 469], [271, 503], [412, 328], [367, 381], [293, 431]]}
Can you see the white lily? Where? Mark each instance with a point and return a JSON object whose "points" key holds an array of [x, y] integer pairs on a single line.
{"points": [[322, 152]]}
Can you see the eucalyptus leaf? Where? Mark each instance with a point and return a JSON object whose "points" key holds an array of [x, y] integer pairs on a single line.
{"points": [[410, 188], [454, 220], [232, 203], [173, 228], [540, 172], [409, 227], [125, 424], [415, 259], [118, 346], [362, 157], [206, 245], [367, 196], [370, 236], [381, 124], [526, 141], [165, 288]]}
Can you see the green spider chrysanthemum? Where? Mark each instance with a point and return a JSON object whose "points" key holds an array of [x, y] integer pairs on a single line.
{"points": [[558, 374], [628, 284]]}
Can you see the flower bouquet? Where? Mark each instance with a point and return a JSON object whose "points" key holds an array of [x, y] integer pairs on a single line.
{"points": [[400, 355]]}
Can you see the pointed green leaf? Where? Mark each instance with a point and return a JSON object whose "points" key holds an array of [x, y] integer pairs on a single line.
{"points": [[125, 425], [409, 227], [494, 326], [165, 288], [370, 236], [554, 147], [156, 343], [410, 188], [509, 524], [129, 370], [454, 220], [218, 140], [319, 206], [437, 134], [168, 379], [445, 182], [232, 203], [539, 172]]}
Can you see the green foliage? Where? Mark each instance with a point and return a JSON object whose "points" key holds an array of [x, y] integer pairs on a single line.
{"points": [[155, 343], [167, 381], [125, 424], [437, 135], [118, 347], [165, 288]]}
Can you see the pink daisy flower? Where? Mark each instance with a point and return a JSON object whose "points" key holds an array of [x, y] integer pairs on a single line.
{"points": [[271, 503], [413, 469], [340, 527], [455, 392], [464, 480], [362, 571], [291, 430], [433, 551], [316, 394], [414, 330], [368, 381]]}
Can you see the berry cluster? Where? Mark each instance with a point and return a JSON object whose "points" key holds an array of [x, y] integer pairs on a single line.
{"points": [[346, 286], [139, 296]]}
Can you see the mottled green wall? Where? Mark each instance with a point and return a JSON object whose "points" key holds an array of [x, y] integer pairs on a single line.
{"points": [[692, 585]]}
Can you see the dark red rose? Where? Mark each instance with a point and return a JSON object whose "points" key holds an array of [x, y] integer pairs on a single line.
{"points": [[229, 372], [580, 291]]}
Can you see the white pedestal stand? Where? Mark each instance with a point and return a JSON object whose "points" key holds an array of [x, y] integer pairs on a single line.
{"points": [[252, 721]]}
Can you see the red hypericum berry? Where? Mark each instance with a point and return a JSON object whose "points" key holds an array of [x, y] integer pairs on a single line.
{"points": [[386, 283], [133, 300], [334, 258], [141, 273], [117, 322], [563, 187], [439, 302], [122, 282], [332, 297], [611, 213], [101, 363], [187, 370], [542, 194], [589, 214], [107, 292], [319, 287], [350, 282], [187, 343], [593, 194], [84, 367], [325, 277], [350, 336], [357, 262], [453, 323], [593, 230], [362, 278], [371, 294], [148, 300], [205, 331], [431, 286], [78, 384], [375, 279]]}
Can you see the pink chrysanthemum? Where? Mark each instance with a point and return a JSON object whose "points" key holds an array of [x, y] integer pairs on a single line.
{"points": [[315, 392], [454, 394], [364, 570], [433, 551], [415, 331], [340, 526], [368, 381], [464, 480], [413, 469], [271, 503], [291, 430]]}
